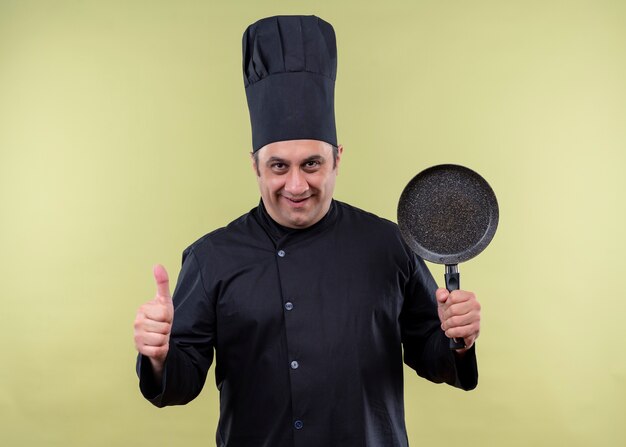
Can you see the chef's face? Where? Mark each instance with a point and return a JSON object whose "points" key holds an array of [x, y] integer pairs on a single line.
{"points": [[297, 179]]}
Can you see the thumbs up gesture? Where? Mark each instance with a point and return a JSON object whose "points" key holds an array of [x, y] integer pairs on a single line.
{"points": [[153, 322]]}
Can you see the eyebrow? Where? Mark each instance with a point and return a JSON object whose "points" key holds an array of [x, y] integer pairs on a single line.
{"points": [[275, 159]]}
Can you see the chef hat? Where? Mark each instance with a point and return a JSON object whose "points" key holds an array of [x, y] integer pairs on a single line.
{"points": [[289, 71]]}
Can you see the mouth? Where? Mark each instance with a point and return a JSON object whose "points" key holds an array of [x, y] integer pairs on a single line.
{"points": [[295, 201]]}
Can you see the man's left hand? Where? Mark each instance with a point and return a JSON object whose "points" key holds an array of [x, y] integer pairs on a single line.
{"points": [[459, 313]]}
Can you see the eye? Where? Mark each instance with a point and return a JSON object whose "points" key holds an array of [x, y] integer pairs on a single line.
{"points": [[312, 164], [277, 166]]}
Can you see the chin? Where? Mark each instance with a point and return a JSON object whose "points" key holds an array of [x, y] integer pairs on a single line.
{"points": [[298, 222]]}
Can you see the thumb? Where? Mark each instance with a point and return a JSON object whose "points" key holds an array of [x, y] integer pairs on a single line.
{"points": [[442, 295], [162, 281]]}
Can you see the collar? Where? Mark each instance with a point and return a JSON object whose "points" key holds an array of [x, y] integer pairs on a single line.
{"points": [[281, 235]]}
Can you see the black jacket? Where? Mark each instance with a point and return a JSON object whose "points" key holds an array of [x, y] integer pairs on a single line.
{"points": [[308, 328]]}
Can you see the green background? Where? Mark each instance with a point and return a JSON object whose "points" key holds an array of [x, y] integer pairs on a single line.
{"points": [[124, 136]]}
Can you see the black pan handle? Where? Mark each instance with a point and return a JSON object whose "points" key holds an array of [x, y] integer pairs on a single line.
{"points": [[453, 282]]}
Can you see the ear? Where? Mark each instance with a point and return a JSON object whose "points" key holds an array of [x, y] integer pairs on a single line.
{"points": [[255, 168], [339, 152]]}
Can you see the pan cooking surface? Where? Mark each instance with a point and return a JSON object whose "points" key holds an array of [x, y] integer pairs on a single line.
{"points": [[448, 214]]}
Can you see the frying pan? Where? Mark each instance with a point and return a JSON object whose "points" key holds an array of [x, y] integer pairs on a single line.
{"points": [[448, 214]]}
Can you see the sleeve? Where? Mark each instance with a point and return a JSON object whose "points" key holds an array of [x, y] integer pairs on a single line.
{"points": [[191, 342], [426, 347]]}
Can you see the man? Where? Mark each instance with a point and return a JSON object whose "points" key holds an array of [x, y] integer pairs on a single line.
{"points": [[308, 303]]}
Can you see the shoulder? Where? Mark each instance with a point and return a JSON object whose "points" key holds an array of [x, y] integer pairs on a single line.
{"points": [[376, 236], [367, 229], [225, 236], [352, 215]]}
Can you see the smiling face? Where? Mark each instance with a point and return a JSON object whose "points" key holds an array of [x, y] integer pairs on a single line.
{"points": [[297, 179]]}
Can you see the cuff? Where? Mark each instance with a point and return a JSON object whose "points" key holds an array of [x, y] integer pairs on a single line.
{"points": [[466, 369], [149, 387]]}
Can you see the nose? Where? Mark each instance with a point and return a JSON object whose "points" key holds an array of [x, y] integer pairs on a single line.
{"points": [[296, 183]]}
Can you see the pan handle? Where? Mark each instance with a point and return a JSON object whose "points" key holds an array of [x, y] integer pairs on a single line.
{"points": [[453, 282]]}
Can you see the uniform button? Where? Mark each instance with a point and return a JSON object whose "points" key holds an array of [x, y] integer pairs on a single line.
{"points": [[288, 305], [281, 253], [294, 365], [298, 424]]}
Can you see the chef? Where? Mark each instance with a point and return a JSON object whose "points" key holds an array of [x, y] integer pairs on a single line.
{"points": [[309, 305]]}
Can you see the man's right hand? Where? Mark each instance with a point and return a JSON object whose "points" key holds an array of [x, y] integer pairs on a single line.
{"points": [[153, 323]]}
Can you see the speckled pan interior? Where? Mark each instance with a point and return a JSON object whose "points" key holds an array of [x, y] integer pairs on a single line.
{"points": [[448, 214]]}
